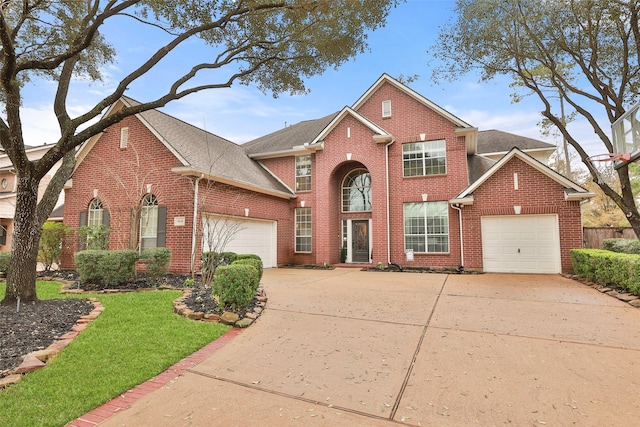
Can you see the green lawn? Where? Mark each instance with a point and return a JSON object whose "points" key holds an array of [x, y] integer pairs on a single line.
{"points": [[136, 337]]}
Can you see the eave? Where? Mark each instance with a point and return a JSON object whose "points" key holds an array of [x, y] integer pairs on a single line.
{"points": [[189, 171]]}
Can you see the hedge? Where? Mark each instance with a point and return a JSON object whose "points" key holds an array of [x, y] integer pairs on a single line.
{"points": [[106, 267], [158, 260], [235, 284], [625, 246], [255, 262], [607, 267]]}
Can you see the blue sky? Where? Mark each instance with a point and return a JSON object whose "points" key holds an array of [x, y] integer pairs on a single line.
{"points": [[242, 113]]}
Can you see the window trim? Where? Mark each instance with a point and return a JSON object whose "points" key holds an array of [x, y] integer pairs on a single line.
{"points": [[299, 176], [343, 187], [299, 212], [425, 225], [386, 108], [124, 137], [423, 157]]}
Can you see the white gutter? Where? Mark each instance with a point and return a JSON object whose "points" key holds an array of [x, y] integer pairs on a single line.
{"points": [[386, 160], [459, 209], [194, 229]]}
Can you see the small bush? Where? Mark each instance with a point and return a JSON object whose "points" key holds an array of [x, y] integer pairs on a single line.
{"points": [[247, 256], [106, 267], [50, 246], [94, 237], [235, 284], [158, 260], [5, 259], [625, 246], [255, 262], [606, 267], [213, 260]]}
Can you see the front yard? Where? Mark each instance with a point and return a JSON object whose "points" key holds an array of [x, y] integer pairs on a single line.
{"points": [[136, 337]]}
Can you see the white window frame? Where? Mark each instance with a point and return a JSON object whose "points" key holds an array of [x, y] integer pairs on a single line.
{"points": [[347, 189], [386, 108], [303, 234], [426, 226], [148, 222], [303, 170], [124, 137], [424, 157], [95, 213]]}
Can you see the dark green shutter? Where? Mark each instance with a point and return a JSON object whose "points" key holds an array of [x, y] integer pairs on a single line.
{"points": [[161, 241], [134, 226], [83, 223]]}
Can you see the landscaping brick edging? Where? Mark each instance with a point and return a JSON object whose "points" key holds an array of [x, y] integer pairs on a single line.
{"points": [[629, 298], [37, 359], [228, 317]]}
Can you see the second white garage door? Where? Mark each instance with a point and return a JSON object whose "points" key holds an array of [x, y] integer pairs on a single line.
{"points": [[521, 244], [249, 236]]}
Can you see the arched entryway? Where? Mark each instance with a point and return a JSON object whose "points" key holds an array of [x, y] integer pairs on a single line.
{"points": [[355, 213]]}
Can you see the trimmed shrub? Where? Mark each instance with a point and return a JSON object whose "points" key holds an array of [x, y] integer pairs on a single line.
{"points": [[247, 256], [158, 260], [235, 284], [106, 267], [607, 267], [625, 246], [50, 246], [5, 259], [213, 260], [256, 263]]}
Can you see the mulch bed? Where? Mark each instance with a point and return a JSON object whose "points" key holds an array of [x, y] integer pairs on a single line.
{"points": [[36, 326]]}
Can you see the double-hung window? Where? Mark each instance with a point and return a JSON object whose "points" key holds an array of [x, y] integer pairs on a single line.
{"points": [[149, 222], [94, 213], [426, 227], [303, 173], [303, 230], [424, 158]]}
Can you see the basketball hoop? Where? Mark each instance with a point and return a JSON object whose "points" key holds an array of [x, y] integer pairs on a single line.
{"points": [[610, 157]]}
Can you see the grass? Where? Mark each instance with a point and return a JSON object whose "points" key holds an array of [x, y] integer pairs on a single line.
{"points": [[136, 337]]}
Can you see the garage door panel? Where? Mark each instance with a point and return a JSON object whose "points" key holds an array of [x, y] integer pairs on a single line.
{"points": [[521, 244], [251, 237]]}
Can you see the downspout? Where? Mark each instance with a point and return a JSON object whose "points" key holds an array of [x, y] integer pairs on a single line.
{"points": [[194, 229], [459, 209], [386, 159]]}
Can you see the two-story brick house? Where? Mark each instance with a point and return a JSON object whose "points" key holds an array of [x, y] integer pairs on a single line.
{"points": [[392, 179]]}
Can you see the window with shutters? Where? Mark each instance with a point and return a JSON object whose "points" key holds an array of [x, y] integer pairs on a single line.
{"points": [[149, 222]]}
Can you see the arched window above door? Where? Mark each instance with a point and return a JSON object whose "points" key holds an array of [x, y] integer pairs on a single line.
{"points": [[356, 191]]}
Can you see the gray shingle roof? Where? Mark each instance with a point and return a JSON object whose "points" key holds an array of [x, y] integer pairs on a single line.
{"points": [[209, 153], [497, 141], [289, 137], [478, 166]]}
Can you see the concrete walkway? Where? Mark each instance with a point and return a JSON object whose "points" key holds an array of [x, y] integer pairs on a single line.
{"points": [[345, 347]]}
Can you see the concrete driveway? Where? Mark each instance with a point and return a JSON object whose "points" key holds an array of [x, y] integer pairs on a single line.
{"points": [[344, 347]]}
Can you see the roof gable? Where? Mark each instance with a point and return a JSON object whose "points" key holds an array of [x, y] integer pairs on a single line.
{"points": [[386, 79], [346, 111], [572, 190], [200, 153]]}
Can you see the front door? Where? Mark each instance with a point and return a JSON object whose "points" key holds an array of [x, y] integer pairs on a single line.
{"points": [[360, 241]]}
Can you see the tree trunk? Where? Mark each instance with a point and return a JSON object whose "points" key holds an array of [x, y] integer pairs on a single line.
{"points": [[27, 228]]}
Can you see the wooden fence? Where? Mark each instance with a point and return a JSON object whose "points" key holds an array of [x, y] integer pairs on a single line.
{"points": [[593, 236]]}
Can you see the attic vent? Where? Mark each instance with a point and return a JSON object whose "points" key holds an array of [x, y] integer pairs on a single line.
{"points": [[124, 137], [386, 108]]}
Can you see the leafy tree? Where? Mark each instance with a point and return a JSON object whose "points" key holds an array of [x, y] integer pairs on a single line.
{"points": [[51, 243], [583, 51], [275, 44]]}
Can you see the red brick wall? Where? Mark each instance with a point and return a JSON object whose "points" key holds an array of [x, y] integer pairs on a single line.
{"points": [[536, 193], [121, 176]]}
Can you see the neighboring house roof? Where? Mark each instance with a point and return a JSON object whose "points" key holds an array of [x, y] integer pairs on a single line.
{"points": [[286, 139], [572, 190], [57, 214], [203, 153], [499, 142]]}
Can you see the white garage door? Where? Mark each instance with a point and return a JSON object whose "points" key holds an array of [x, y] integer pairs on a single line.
{"points": [[521, 244], [243, 236]]}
